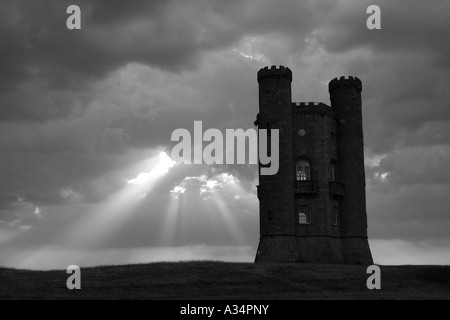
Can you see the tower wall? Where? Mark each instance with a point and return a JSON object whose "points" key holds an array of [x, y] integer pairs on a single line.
{"points": [[277, 225], [345, 95], [317, 242]]}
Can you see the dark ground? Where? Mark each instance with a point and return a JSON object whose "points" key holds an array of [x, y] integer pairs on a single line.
{"points": [[219, 280]]}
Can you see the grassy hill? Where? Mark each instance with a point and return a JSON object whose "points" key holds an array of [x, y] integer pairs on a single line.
{"points": [[219, 280]]}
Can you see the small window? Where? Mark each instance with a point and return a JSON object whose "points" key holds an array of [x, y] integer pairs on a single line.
{"points": [[333, 174], [336, 216], [303, 170], [304, 215], [270, 218]]}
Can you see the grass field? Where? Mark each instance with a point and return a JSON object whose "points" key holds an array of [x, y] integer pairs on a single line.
{"points": [[219, 280]]}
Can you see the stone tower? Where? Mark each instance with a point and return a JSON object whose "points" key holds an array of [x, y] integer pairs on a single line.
{"points": [[314, 208]]}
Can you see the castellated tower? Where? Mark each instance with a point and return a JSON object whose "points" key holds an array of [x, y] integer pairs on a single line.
{"points": [[277, 227], [314, 208]]}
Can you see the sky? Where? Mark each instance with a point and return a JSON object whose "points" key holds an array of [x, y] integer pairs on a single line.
{"points": [[86, 118]]}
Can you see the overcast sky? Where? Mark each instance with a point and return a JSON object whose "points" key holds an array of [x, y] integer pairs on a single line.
{"points": [[85, 112]]}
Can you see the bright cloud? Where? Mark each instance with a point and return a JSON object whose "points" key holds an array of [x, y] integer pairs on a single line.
{"points": [[162, 168]]}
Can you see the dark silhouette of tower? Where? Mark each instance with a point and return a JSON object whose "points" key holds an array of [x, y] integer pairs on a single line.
{"points": [[314, 208]]}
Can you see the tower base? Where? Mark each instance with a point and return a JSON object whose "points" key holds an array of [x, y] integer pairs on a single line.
{"points": [[314, 249], [357, 251], [327, 250], [277, 248]]}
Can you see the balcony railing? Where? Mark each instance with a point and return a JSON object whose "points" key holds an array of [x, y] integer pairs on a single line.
{"points": [[305, 187], [337, 189]]}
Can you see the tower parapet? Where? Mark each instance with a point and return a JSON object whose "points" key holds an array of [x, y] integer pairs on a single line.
{"points": [[345, 82], [308, 104], [275, 72], [312, 108]]}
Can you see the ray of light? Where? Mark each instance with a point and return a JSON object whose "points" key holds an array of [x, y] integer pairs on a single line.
{"points": [[169, 227], [98, 225], [227, 217], [218, 216]]}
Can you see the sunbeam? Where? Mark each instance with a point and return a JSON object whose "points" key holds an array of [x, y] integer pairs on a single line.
{"points": [[97, 225], [227, 217], [169, 227]]}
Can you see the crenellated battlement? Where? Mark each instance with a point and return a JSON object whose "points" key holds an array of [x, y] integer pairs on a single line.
{"points": [[275, 72], [345, 82], [300, 108], [309, 104]]}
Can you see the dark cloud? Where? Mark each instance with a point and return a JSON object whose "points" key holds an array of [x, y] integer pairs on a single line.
{"points": [[418, 166], [414, 27], [39, 52]]}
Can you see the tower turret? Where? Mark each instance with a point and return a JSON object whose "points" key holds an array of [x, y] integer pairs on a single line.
{"points": [[345, 95], [277, 225]]}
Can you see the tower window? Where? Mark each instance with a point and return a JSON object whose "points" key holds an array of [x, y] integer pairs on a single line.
{"points": [[270, 218], [303, 170], [304, 215], [336, 216], [333, 173]]}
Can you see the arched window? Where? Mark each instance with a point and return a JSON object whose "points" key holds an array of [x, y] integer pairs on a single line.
{"points": [[304, 215], [336, 216], [333, 173], [303, 170]]}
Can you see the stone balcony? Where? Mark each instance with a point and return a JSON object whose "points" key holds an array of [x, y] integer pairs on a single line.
{"points": [[337, 189], [305, 187]]}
